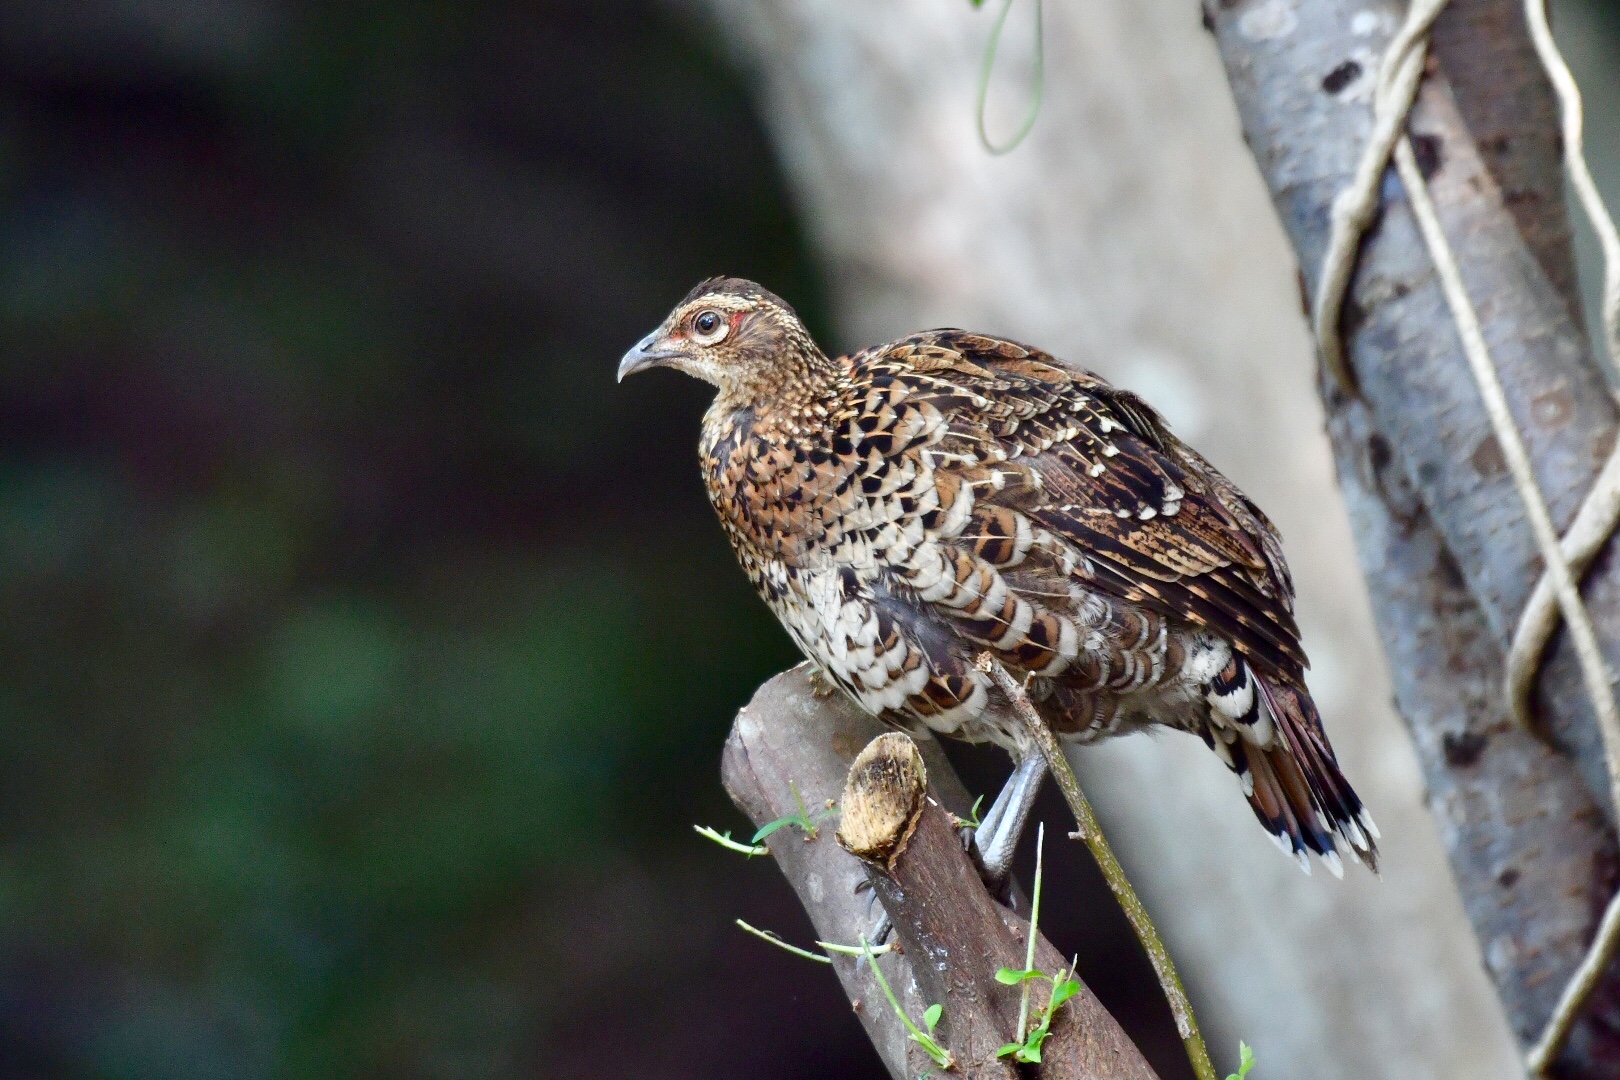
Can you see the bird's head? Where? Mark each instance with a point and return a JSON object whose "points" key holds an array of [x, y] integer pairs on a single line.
{"points": [[732, 333]]}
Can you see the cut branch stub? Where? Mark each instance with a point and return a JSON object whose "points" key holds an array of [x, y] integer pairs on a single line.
{"points": [[790, 741], [883, 799]]}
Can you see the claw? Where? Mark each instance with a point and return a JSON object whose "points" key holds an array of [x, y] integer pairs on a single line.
{"points": [[884, 926], [820, 685]]}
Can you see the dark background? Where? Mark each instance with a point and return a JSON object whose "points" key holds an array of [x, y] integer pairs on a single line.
{"points": [[366, 653]]}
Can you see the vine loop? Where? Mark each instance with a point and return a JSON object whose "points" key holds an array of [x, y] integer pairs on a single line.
{"points": [[984, 80]]}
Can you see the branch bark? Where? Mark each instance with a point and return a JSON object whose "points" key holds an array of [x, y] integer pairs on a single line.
{"points": [[953, 935], [1444, 546]]}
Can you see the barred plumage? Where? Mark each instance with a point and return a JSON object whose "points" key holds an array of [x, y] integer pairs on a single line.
{"points": [[905, 508]]}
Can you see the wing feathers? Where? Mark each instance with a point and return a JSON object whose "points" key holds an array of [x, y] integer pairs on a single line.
{"points": [[1161, 526]]}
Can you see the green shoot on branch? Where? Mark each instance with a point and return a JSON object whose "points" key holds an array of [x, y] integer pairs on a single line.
{"points": [[936, 1053], [803, 820], [725, 841], [766, 935], [1245, 1062], [1064, 985], [856, 950], [973, 820], [847, 950]]}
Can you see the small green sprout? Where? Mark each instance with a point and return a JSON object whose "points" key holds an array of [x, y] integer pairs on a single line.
{"points": [[725, 841], [804, 820], [1245, 1062], [973, 820], [847, 950], [766, 935], [940, 1056], [856, 950], [1064, 985]]}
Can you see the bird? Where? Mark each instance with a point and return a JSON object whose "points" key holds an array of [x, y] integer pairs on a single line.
{"points": [[906, 508]]}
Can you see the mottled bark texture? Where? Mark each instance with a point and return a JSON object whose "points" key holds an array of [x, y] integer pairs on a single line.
{"points": [[1443, 541], [954, 937], [1512, 113]]}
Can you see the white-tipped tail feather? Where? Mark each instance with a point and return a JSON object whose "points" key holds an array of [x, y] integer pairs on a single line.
{"points": [[1270, 734]]}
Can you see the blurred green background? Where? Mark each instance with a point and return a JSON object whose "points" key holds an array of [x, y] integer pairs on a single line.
{"points": [[366, 652]]}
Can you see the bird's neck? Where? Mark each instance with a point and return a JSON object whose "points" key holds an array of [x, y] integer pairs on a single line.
{"points": [[795, 377]]}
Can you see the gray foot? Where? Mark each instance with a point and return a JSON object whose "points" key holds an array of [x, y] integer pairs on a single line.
{"points": [[1004, 825]]}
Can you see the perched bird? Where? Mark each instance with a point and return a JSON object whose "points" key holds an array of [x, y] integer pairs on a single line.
{"points": [[905, 508]]}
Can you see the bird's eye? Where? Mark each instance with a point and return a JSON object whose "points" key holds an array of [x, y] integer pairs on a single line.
{"points": [[708, 327]]}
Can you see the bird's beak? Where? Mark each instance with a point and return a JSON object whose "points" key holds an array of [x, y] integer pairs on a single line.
{"points": [[646, 354]]}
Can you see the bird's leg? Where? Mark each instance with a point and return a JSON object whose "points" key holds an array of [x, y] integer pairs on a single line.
{"points": [[1003, 826], [992, 817]]}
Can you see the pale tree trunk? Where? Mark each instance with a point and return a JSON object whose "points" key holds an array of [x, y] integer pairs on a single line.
{"points": [[1132, 234], [1443, 535]]}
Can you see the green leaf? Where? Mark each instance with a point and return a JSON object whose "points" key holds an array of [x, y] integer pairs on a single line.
{"points": [[770, 827], [1011, 977], [1063, 992], [931, 1016], [1010, 1048], [973, 814], [1245, 1062]]}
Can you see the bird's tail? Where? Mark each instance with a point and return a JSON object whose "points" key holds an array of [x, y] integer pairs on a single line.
{"points": [[1298, 791]]}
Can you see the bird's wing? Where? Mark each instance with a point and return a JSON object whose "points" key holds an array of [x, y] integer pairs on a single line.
{"points": [[1097, 466]]}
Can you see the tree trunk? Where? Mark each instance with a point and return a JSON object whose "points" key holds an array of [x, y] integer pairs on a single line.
{"points": [[1444, 542]]}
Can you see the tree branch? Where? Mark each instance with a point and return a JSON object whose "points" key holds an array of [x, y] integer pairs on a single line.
{"points": [[1407, 359]]}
